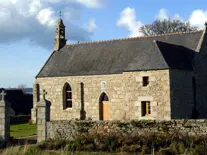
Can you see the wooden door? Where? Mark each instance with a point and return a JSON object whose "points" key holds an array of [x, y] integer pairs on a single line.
{"points": [[106, 110]]}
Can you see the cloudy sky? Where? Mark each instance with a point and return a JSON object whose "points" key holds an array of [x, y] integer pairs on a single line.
{"points": [[27, 27]]}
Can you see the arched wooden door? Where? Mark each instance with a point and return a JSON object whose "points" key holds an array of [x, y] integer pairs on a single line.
{"points": [[104, 108]]}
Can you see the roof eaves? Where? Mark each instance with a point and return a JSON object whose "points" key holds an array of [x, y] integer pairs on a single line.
{"points": [[44, 64]]}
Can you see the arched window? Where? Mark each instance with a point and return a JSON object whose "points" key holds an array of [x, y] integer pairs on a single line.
{"points": [[67, 96], [104, 97]]}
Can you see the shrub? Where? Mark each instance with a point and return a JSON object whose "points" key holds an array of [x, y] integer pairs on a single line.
{"points": [[31, 122], [32, 150], [110, 143], [161, 143], [51, 144], [165, 151], [71, 146]]}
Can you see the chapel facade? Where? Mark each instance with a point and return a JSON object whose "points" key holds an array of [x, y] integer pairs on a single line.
{"points": [[160, 77]]}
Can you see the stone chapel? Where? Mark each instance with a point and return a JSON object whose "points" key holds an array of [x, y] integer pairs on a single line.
{"points": [[159, 77]]}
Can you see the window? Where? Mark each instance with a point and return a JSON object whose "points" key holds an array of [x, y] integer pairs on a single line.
{"points": [[146, 108], [145, 81], [38, 92], [68, 96]]}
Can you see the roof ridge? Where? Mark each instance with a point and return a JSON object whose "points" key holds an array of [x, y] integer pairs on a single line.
{"points": [[129, 38]]}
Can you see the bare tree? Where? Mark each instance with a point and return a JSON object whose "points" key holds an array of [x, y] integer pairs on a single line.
{"points": [[167, 26]]}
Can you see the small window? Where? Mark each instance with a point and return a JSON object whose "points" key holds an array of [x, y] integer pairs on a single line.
{"points": [[103, 84], [68, 96], [146, 108], [145, 81]]}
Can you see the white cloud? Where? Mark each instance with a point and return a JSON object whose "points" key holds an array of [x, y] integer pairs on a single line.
{"points": [[35, 6], [35, 20], [128, 21], [87, 3], [91, 26], [46, 17], [162, 15], [91, 3], [198, 18]]}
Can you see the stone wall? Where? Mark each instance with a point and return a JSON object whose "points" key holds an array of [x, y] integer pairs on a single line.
{"points": [[157, 92], [70, 129], [201, 75], [181, 94], [125, 92]]}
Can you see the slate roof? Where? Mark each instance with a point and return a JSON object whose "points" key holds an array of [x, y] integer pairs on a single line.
{"points": [[171, 51]]}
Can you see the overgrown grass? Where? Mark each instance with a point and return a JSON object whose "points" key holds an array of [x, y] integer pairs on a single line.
{"points": [[31, 150], [23, 130], [160, 144]]}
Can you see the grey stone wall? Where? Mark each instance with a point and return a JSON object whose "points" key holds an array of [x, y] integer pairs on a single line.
{"points": [[125, 92], [181, 94], [36, 97], [157, 92], [43, 115], [201, 75], [4, 120], [70, 129]]}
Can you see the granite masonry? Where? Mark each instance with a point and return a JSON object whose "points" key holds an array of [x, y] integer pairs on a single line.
{"points": [[161, 77], [119, 92], [4, 120], [70, 129]]}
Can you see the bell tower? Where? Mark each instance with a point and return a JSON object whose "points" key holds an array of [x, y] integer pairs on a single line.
{"points": [[60, 40]]}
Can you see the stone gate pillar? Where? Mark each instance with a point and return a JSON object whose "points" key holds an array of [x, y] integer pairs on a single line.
{"points": [[43, 115], [4, 119], [35, 100]]}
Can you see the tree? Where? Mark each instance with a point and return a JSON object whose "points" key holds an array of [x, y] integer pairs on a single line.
{"points": [[167, 26]]}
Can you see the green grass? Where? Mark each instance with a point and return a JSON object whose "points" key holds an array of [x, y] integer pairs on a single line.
{"points": [[24, 150], [23, 130]]}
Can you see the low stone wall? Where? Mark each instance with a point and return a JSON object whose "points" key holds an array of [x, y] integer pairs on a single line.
{"points": [[70, 129]]}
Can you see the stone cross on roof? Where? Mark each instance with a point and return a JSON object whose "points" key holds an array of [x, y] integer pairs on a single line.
{"points": [[3, 94], [43, 94]]}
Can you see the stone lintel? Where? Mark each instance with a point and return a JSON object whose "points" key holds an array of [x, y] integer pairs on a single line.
{"points": [[145, 98], [139, 78]]}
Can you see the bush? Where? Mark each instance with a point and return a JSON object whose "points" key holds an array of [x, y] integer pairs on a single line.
{"points": [[51, 144], [32, 150], [71, 146], [161, 144], [30, 122]]}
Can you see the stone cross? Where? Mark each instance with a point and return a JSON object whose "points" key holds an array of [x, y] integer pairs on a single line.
{"points": [[3, 94], [43, 94]]}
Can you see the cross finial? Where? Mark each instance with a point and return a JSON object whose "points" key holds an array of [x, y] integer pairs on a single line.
{"points": [[3, 94], [43, 94]]}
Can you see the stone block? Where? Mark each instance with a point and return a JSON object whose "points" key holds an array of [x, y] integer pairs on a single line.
{"points": [[145, 98]]}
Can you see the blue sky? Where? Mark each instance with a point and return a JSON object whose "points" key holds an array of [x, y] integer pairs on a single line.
{"points": [[27, 27]]}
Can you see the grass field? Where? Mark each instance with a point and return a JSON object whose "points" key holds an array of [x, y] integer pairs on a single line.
{"points": [[23, 130]]}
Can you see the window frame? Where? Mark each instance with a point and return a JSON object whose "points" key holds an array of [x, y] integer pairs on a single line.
{"points": [[145, 81], [68, 100], [146, 108]]}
